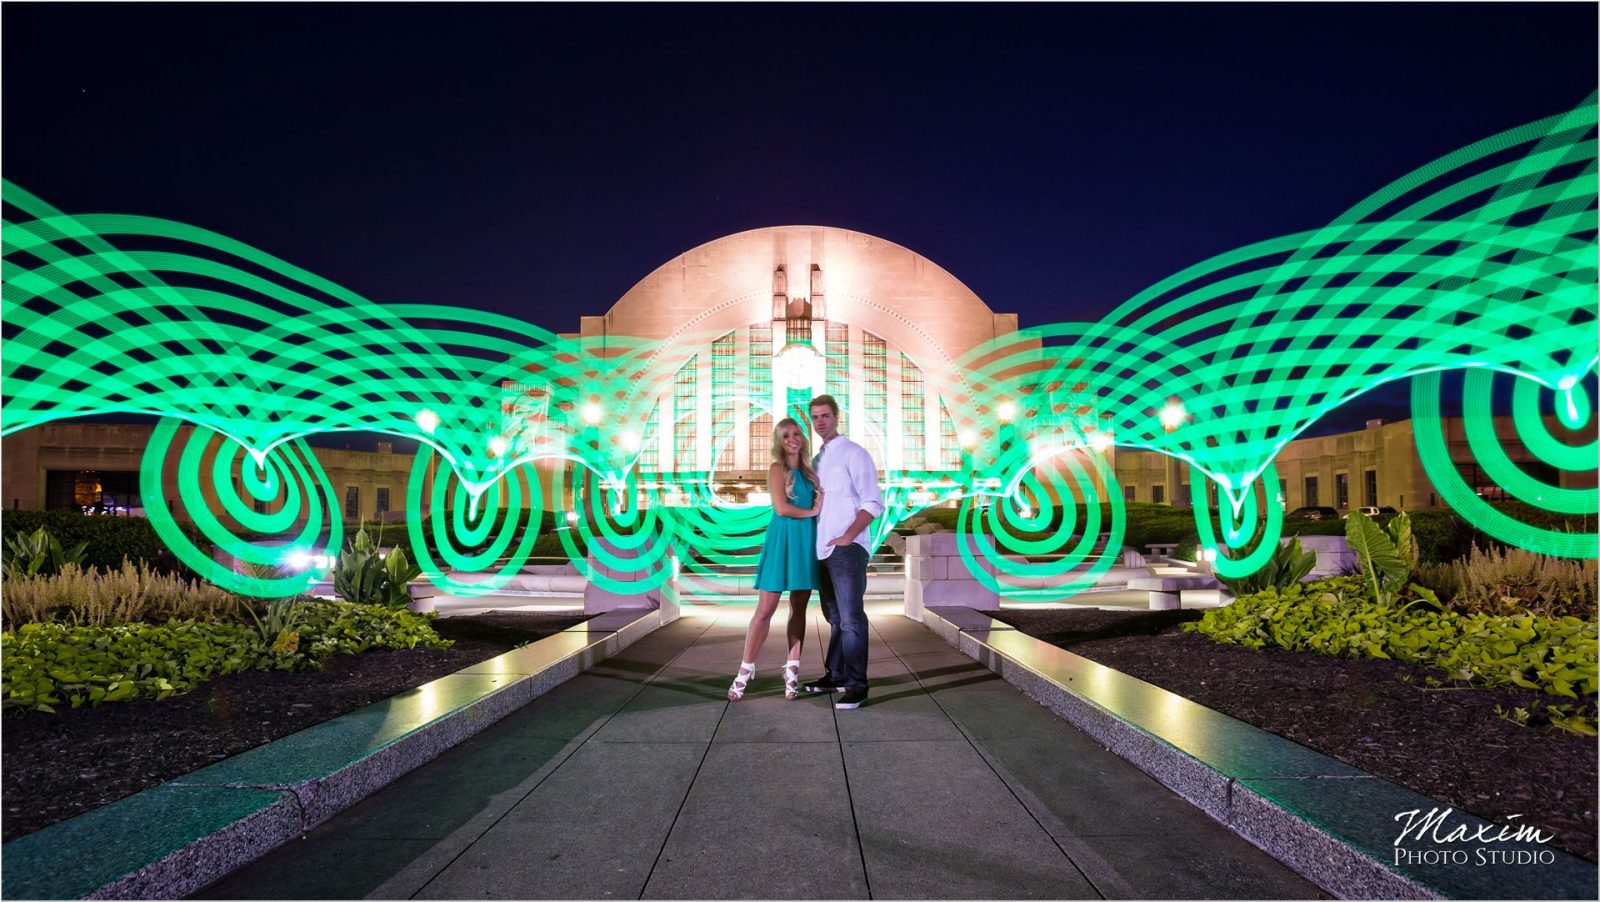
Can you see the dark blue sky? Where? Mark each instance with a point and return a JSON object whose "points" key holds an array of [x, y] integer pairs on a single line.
{"points": [[540, 160]]}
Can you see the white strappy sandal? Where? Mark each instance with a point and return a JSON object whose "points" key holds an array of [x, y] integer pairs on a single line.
{"points": [[745, 675], [791, 680]]}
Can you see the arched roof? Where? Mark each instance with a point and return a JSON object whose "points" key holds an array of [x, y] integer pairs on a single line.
{"points": [[882, 287]]}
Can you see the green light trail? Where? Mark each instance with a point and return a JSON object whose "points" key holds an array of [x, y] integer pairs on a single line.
{"points": [[1483, 261]]}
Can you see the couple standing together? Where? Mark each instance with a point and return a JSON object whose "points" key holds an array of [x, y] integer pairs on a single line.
{"points": [[817, 539]]}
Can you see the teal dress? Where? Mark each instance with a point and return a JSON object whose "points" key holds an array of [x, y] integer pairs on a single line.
{"points": [[789, 553]]}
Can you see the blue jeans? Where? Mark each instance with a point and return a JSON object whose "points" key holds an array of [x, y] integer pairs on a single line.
{"points": [[843, 587]]}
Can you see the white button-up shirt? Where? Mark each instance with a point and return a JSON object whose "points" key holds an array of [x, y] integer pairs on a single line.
{"points": [[849, 483]]}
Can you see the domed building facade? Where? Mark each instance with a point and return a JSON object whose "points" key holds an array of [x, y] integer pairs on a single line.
{"points": [[757, 323]]}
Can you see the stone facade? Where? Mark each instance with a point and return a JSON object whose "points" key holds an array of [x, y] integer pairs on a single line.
{"points": [[1378, 466]]}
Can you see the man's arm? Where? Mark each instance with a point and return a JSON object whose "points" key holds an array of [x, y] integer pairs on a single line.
{"points": [[864, 481]]}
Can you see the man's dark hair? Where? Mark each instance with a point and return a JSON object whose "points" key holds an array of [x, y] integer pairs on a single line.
{"points": [[824, 401]]}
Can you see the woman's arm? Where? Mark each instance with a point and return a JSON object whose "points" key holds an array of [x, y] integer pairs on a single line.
{"points": [[780, 498]]}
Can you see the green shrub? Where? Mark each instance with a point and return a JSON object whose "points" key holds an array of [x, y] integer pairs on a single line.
{"points": [[1301, 526], [1149, 524], [107, 539], [43, 665], [549, 544], [1441, 535], [1188, 548], [1336, 617]]}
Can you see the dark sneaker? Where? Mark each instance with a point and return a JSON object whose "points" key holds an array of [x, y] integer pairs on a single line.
{"points": [[822, 684], [852, 698]]}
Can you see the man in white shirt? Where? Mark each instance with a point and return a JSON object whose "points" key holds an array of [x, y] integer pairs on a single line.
{"points": [[851, 500]]}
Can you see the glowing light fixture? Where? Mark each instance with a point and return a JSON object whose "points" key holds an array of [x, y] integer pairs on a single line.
{"points": [[427, 421], [798, 366], [1173, 415]]}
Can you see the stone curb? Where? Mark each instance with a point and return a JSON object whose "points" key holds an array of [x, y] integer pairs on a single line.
{"points": [[170, 840], [1331, 823]]}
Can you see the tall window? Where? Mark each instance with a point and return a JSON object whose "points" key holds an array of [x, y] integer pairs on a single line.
{"points": [[650, 443], [352, 501], [1311, 491], [1369, 488], [761, 441], [382, 500], [838, 385], [949, 441], [913, 418], [1127, 493], [874, 395], [760, 366], [1158, 493], [685, 414], [724, 385], [1341, 490]]}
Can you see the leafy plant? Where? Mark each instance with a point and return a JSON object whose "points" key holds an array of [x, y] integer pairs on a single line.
{"points": [[39, 554], [1288, 565], [364, 576], [43, 665], [1567, 718], [277, 628], [1338, 617], [1386, 558]]}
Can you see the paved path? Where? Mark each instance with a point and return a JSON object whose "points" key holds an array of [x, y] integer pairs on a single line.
{"points": [[638, 779]]}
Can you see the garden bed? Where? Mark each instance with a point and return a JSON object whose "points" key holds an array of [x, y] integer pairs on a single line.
{"points": [[58, 766], [1381, 716]]}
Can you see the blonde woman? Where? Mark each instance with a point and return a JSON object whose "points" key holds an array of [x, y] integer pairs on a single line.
{"points": [[788, 554]]}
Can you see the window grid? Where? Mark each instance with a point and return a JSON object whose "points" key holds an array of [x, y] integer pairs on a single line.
{"points": [[913, 419], [352, 502], [685, 416], [760, 367], [724, 386], [1341, 490], [761, 441], [1369, 488], [874, 394], [838, 347], [949, 442]]}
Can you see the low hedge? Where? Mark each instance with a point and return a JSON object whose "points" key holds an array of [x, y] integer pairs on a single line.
{"points": [[1335, 617], [47, 664], [109, 539]]}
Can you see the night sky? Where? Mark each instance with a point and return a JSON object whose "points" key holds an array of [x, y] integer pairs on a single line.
{"points": [[539, 160]]}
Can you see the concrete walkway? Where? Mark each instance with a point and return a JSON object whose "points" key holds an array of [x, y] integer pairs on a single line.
{"points": [[638, 779]]}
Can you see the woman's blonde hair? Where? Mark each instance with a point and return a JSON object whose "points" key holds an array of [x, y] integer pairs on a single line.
{"points": [[781, 458]]}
